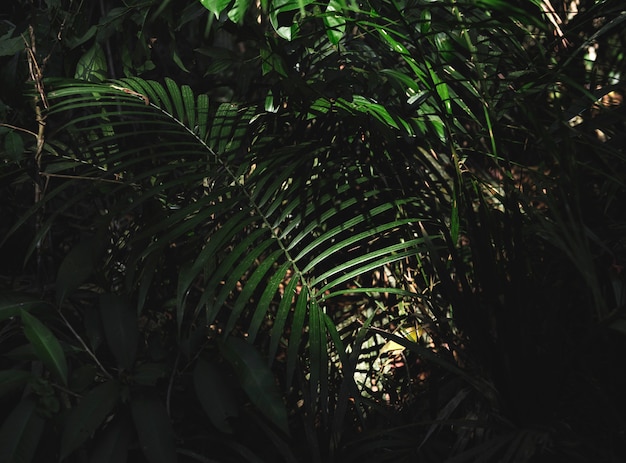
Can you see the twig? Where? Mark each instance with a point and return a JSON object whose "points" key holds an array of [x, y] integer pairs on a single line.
{"points": [[80, 177], [87, 349]]}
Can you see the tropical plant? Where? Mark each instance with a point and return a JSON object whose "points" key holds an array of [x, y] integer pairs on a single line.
{"points": [[375, 246]]}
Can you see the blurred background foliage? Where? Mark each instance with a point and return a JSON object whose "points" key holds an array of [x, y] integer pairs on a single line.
{"points": [[301, 231]]}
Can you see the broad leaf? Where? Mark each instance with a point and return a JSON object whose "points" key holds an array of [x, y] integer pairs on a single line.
{"points": [[77, 267], [256, 379], [112, 444], [45, 345], [92, 66], [216, 397], [88, 415], [119, 320], [13, 146], [156, 435]]}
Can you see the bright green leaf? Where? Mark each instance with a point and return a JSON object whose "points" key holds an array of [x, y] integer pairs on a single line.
{"points": [[92, 66], [335, 22], [215, 6]]}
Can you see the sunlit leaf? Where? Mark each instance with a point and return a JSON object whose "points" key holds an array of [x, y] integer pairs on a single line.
{"points": [[92, 66]]}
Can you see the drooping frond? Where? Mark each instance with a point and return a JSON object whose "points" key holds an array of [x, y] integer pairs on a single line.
{"points": [[274, 235]]}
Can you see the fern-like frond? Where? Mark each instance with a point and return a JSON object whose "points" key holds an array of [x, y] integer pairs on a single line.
{"points": [[266, 237]]}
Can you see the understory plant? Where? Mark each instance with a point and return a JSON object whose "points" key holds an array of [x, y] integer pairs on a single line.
{"points": [[384, 232]]}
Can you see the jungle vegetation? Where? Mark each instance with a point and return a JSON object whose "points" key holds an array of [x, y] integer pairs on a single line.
{"points": [[312, 231]]}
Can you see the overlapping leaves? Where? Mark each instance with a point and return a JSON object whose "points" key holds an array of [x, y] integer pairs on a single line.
{"points": [[270, 238]]}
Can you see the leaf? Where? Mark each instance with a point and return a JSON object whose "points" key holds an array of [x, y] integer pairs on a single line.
{"points": [[256, 379], [335, 22], [12, 379], [216, 397], [13, 146], [20, 433], [46, 346], [11, 304], [84, 419], [10, 46], [156, 435], [121, 331], [92, 66], [299, 316], [238, 11], [112, 444], [77, 267], [147, 374], [215, 6]]}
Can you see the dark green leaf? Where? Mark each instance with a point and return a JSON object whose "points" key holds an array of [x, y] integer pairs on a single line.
{"points": [[147, 374], [13, 146], [88, 416], [156, 435], [10, 46], [112, 444], [45, 345], [20, 433], [215, 395], [256, 379], [12, 379], [119, 320], [77, 267], [12, 303]]}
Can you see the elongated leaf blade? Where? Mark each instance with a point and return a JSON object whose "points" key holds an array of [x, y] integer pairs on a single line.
{"points": [[20, 433], [12, 379], [11, 304], [45, 345]]}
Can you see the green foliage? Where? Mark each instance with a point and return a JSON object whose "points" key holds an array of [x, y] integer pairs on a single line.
{"points": [[312, 231]]}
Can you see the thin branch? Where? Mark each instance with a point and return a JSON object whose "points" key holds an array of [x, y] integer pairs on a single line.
{"points": [[87, 349]]}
